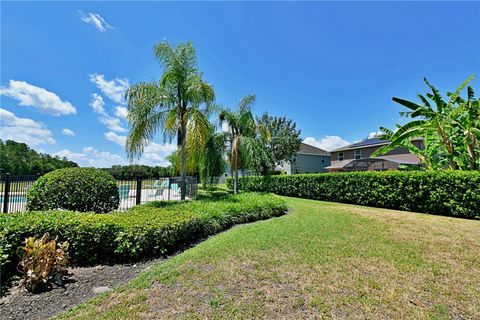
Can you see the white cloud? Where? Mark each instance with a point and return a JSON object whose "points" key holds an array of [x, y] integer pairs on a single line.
{"points": [[38, 98], [118, 139], [98, 105], [121, 112], [157, 148], [68, 132], [154, 154], [375, 134], [91, 157], [327, 143], [113, 89], [96, 20], [23, 129], [112, 124]]}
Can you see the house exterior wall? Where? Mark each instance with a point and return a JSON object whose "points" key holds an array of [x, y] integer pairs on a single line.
{"points": [[305, 163], [367, 151]]}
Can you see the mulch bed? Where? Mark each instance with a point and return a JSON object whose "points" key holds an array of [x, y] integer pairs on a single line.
{"points": [[81, 285]]}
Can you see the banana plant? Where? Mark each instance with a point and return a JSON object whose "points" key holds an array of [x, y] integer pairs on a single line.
{"points": [[466, 117], [440, 123]]}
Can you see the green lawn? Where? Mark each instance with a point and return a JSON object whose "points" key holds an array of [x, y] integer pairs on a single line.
{"points": [[321, 260]]}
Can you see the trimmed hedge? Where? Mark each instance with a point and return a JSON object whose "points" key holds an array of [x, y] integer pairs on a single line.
{"points": [[77, 189], [451, 193], [144, 231]]}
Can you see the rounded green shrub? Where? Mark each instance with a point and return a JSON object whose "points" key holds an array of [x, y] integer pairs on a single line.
{"points": [[77, 189]]}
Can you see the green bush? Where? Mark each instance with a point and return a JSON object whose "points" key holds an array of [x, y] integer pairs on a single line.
{"points": [[452, 193], [144, 231], [77, 189]]}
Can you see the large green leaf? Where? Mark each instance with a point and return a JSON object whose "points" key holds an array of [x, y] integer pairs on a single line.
{"points": [[456, 94], [409, 104]]}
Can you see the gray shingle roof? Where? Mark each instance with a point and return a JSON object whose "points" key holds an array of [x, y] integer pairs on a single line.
{"points": [[308, 149]]}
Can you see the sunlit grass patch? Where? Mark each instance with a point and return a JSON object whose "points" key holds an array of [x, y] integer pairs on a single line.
{"points": [[320, 260]]}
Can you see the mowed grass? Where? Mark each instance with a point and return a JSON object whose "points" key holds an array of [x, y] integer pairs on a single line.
{"points": [[321, 260]]}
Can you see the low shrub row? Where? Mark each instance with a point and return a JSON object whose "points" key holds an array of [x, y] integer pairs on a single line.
{"points": [[453, 193], [144, 231]]}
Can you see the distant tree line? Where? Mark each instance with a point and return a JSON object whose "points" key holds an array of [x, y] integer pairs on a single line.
{"points": [[140, 171], [19, 159]]}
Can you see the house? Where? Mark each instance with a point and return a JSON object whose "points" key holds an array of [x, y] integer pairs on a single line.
{"points": [[357, 156], [309, 159]]}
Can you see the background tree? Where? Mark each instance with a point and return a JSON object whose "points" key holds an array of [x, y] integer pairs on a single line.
{"points": [[135, 170], [172, 105], [19, 159], [284, 140], [175, 169], [450, 129], [245, 137], [212, 160], [209, 163]]}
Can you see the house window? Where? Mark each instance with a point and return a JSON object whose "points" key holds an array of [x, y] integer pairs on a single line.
{"points": [[340, 156], [323, 160], [358, 154]]}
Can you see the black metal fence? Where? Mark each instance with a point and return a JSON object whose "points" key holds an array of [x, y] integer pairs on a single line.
{"points": [[137, 191], [13, 191]]}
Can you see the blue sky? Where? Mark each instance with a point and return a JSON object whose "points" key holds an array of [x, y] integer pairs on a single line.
{"points": [[333, 67]]}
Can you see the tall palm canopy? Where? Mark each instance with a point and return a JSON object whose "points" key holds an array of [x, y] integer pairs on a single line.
{"points": [[171, 105], [245, 137]]}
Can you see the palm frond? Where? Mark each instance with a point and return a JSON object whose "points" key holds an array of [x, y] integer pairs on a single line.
{"points": [[246, 103], [198, 130], [164, 52], [145, 103]]}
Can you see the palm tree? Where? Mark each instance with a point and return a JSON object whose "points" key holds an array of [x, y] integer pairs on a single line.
{"points": [[211, 163], [171, 105], [244, 136]]}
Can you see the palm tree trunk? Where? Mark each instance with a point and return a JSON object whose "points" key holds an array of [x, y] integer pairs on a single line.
{"points": [[235, 165], [183, 169], [235, 183]]}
